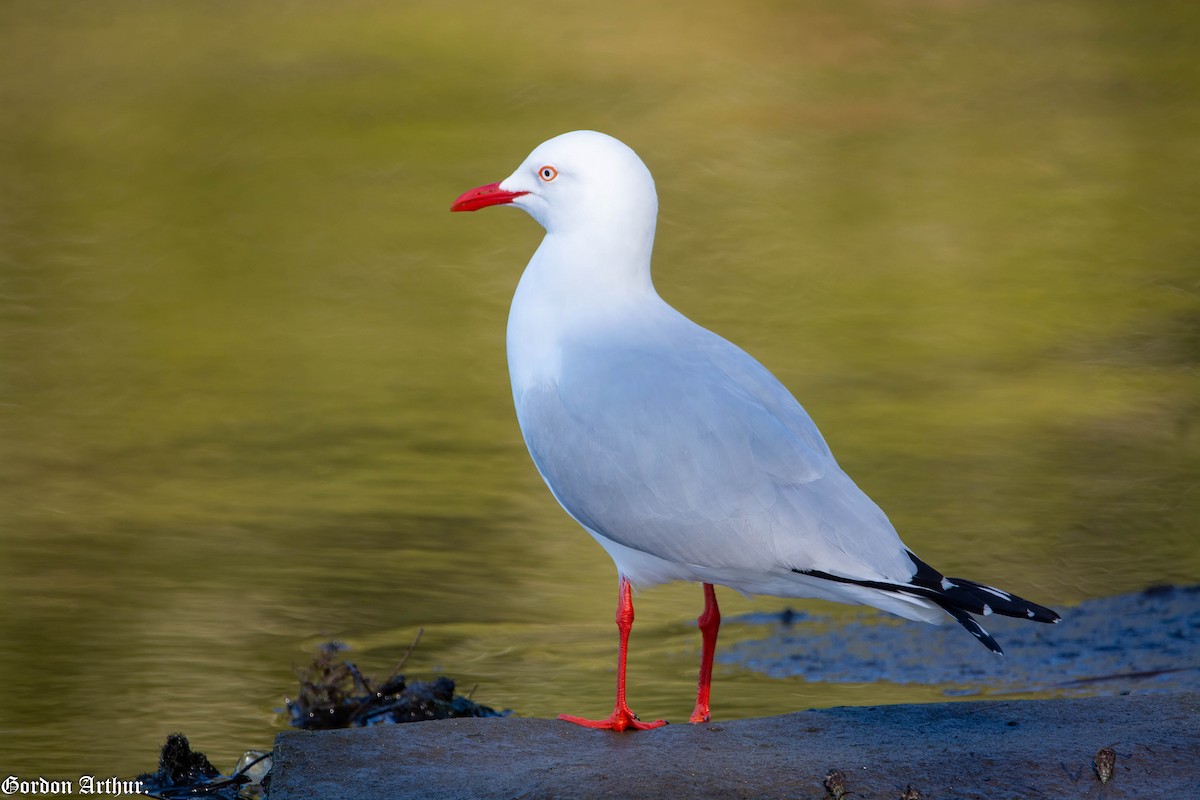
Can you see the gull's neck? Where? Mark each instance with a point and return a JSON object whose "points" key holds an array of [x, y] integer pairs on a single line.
{"points": [[589, 272], [577, 287]]}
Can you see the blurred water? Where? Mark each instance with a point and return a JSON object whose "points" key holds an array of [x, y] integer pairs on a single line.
{"points": [[252, 384]]}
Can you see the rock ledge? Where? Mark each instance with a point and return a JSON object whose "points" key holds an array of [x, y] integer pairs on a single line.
{"points": [[975, 751]]}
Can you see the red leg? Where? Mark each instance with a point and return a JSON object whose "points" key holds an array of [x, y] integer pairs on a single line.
{"points": [[621, 717], [708, 623]]}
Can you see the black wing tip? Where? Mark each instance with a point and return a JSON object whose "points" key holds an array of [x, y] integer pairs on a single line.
{"points": [[978, 598], [1000, 602], [958, 597], [1042, 614], [973, 628]]}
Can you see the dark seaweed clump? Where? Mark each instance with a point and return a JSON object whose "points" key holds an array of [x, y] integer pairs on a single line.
{"points": [[184, 772], [335, 694]]}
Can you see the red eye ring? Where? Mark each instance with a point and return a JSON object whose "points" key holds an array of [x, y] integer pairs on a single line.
{"points": [[547, 173]]}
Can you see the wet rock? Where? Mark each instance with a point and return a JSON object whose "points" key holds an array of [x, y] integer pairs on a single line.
{"points": [[1145, 641], [963, 750]]}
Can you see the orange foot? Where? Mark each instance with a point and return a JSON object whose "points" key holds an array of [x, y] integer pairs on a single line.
{"points": [[620, 719], [700, 714]]}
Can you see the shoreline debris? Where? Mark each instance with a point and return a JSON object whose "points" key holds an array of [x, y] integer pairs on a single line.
{"points": [[334, 693], [184, 772]]}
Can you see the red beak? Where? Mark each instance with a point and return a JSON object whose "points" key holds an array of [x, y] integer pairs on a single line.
{"points": [[490, 195]]}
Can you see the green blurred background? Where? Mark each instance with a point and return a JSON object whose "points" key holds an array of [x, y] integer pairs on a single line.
{"points": [[252, 381]]}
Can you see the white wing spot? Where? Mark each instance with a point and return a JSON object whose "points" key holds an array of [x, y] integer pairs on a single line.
{"points": [[997, 592]]}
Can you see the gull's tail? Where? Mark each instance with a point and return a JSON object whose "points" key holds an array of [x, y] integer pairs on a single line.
{"points": [[957, 596]]}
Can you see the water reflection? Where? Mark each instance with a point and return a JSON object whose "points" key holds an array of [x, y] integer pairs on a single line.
{"points": [[253, 389]]}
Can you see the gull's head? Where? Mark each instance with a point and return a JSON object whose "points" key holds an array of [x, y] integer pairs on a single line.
{"points": [[579, 181]]}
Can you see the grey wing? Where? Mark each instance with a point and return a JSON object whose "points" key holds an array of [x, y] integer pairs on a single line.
{"points": [[699, 456]]}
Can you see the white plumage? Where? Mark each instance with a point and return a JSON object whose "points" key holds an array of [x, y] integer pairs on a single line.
{"points": [[680, 453]]}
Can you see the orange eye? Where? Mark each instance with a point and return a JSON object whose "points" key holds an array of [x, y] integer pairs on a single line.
{"points": [[548, 173]]}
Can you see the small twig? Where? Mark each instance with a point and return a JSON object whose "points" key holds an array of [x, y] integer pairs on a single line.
{"points": [[1116, 676], [407, 653]]}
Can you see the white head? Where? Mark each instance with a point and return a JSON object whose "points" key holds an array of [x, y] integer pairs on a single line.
{"points": [[581, 183]]}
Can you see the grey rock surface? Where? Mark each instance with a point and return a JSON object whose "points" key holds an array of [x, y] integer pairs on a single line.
{"points": [[968, 750], [1144, 641]]}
